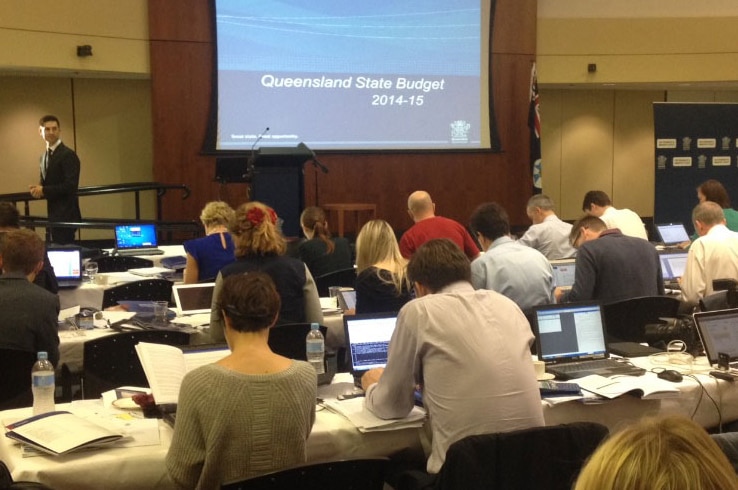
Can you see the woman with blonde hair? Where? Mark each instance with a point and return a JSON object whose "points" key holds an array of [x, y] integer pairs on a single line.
{"points": [[381, 282], [667, 453], [260, 246], [321, 252], [209, 254]]}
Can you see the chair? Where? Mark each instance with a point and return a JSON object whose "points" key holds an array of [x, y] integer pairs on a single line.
{"points": [[342, 277], [15, 381], [120, 263], [725, 296], [144, 290], [539, 457], [288, 339], [110, 362], [626, 320], [351, 474]]}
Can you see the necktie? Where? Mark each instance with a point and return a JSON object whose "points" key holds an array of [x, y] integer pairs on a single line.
{"points": [[46, 161]]}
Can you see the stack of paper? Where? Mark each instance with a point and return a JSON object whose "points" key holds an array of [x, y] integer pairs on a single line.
{"points": [[364, 420]]}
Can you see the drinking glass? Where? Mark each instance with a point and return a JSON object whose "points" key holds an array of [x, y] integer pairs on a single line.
{"points": [[91, 271]]}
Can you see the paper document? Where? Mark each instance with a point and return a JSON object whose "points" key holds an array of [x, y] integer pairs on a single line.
{"points": [[364, 420]]}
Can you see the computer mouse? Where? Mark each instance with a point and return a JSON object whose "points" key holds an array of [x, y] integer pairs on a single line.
{"points": [[671, 375]]}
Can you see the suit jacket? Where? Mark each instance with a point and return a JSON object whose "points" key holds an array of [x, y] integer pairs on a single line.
{"points": [[61, 183]]}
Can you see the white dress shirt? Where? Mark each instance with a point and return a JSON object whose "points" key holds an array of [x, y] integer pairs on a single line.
{"points": [[626, 220], [712, 256]]}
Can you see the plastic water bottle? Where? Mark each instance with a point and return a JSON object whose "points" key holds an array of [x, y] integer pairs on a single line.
{"points": [[43, 385], [315, 348]]}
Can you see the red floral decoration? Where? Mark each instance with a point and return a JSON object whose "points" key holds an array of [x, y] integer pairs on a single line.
{"points": [[255, 216]]}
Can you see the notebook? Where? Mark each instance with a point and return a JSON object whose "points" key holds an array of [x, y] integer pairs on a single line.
{"points": [[672, 267], [136, 239], [570, 339], [563, 272], [368, 337], [347, 299], [719, 333], [67, 265], [672, 233]]}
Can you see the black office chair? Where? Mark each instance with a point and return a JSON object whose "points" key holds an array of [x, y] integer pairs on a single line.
{"points": [[110, 362], [540, 457], [15, 381], [145, 290], [120, 263], [725, 296], [342, 277], [351, 474], [626, 320]]}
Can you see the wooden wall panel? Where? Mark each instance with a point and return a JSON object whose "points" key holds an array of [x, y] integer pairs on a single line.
{"points": [[181, 65]]}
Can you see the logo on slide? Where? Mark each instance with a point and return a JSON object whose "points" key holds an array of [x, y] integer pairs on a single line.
{"points": [[460, 131]]}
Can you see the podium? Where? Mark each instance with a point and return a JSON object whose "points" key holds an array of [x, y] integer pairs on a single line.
{"points": [[277, 179]]}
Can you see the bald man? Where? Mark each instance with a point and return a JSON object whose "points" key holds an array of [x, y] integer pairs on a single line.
{"points": [[428, 226]]}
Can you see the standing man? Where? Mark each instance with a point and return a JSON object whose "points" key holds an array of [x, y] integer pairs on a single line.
{"points": [[714, 255], [428, 226], [59, 180], [548, 234], [468, 350], [597, 203]]}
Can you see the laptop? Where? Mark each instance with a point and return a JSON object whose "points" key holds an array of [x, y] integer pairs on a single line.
{"points": [[563, 272], [672, 233], [136, 239], [719, 333], [194, 301], [368, 337], [672, 267], [570, 339], [347, 299], [67, 265]]}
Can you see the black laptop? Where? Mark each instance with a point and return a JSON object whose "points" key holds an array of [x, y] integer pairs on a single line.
{"points": [[719, 333], [67, 265], [570, 339], [672, 267], [672, 233], [368, 337], [136, 239]]}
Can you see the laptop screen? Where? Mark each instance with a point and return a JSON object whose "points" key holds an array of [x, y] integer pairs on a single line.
{"points": [[368, 337], [192, 299], [67, 263], [563, 272], [135, 236], [570, 332], [719, 333], [673, 264], [672, 233]]}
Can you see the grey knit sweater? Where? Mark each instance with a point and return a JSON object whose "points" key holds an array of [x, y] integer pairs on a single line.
{"points": [[231, 426]]}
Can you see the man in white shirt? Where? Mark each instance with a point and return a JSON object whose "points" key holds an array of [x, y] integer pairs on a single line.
{"points": [[714, 255], [468, 350], [548, 234], [597, 203]]}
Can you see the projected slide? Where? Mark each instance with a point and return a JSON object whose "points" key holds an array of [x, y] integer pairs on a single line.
{"points": [[337, 74]]}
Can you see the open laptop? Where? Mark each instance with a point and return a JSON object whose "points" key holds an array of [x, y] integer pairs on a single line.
{"points": [[672, 233], [368, 337], [672, 267], [136, 239], [570, 339], [563, 272], [194, 301], [67, 265], [719, 333], [346, 299]]}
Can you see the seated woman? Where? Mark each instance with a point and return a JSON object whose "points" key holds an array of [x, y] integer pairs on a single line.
{"points": [[381, 283], [227, 426], [712, 190], [207, 255], [261, 247], [658, 454], [321, 252]]}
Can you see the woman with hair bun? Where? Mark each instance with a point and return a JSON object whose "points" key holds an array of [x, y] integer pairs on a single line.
{"points": [[321, 252], [260, 247]]}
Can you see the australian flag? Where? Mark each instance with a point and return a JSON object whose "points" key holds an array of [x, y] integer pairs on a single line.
{"points": [[534, 123]]}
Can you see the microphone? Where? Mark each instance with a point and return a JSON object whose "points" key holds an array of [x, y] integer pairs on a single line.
{"points": [[252, 158], [258, 138]]}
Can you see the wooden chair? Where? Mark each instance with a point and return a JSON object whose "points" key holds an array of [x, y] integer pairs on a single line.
{"points": [[120, 263], [15, 381], [145, 290], [342, 277], [351, 474], [110, 362]]}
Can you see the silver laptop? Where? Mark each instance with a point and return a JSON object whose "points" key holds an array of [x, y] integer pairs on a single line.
{"points": [[719, 333], [672, 267], [136, 239], [563, 272], [368, 337], [570, 339], [672, 233], [67, 265], [193, 299], [346, 299]]}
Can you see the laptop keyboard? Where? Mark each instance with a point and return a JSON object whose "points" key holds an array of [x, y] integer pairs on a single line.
{"points": [[594, 365], [141, 251]]}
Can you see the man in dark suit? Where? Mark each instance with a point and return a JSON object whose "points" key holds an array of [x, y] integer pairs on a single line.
{"points": [[59, 180]]}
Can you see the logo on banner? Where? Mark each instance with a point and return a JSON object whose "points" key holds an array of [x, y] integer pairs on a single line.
{"points": [[701, 161], [725, 143], [460, 131], [686, 143], [661, 162]]}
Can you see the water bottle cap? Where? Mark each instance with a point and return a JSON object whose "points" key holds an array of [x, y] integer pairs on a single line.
{"points": [[42, 356], [314, 326]]}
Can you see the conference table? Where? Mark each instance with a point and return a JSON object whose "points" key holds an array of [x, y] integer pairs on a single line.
{"points": [[333, 437]]}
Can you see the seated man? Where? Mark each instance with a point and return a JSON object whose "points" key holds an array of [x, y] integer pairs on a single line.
{"points": [[428, 226], [28, 313], [521, 273], [611, 266], [548, 234], [468, 350], [714, 255], [597, 203]]}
